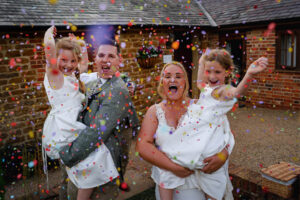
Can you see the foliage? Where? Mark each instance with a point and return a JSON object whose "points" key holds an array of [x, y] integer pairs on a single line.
{"points": [[149, 51]]}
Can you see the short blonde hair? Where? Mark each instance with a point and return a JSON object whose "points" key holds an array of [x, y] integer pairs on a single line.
{"points": [[160, 88]]}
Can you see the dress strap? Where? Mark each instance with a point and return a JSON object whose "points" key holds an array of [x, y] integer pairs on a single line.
{"points": [[160, 114]]}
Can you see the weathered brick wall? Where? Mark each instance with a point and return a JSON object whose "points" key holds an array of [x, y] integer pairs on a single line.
{"points": [[274, 89], [22, 97]]}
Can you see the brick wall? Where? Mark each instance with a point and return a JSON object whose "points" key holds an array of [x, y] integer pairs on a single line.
{"points": [[275, 89], [22, 97]]}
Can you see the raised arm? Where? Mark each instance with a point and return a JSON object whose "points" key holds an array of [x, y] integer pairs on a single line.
{"points": [[200, 81], [146, 149], [50, 51], [256, 67]]}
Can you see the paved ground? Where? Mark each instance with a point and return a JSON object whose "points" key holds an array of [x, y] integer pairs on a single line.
{"points": [[263, 137]]}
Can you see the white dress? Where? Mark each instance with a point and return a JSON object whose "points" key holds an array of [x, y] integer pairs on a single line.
{"points": [[202, 131], [61, 128]]}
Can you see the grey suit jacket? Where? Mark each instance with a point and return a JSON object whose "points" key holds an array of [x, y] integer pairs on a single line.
{"points": [[108, 111]]}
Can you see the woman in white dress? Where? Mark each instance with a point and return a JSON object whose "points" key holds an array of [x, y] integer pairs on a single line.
{"points": [[161, 121], [61, 127]]}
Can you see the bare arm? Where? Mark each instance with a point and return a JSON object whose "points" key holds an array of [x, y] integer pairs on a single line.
{"points": [[200, 81], [146, 149], [50, 51], [55, 76], [256, 67]]}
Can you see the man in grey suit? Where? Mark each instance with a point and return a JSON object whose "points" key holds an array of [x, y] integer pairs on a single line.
{"points": [[108, 113]]}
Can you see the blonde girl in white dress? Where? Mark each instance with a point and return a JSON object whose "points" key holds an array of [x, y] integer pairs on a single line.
{"points": [[65, 94]]}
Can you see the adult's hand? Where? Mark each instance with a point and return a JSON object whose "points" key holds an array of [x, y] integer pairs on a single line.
{"points": [[215, 162], [181, 172]]}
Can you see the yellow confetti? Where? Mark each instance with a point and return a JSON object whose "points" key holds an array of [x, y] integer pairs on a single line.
{"points": [[118, 182], [31, 134], [295, 159], [73, 28], [221, 156], [52, 2]]}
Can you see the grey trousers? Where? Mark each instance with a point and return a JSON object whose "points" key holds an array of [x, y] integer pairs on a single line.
{"points": [[68, 190]]}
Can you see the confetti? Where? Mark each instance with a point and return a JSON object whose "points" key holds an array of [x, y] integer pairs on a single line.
{"points": [[52, 2], [175, 45]]}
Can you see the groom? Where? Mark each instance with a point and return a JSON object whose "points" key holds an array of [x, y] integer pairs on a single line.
{"points": [[108, 114]]}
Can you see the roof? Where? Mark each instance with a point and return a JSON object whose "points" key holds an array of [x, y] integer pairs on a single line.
{"points": [[95, 12], [230, 12], [145, 12]]}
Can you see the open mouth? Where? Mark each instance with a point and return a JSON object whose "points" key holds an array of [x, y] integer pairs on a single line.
{"points": [[105, 69], [66, 70], [173, 89], [214, 82]]}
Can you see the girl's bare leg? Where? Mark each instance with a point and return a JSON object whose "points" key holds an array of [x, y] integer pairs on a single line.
{"points": [[84, 194], [209, 197], [165, 194]]}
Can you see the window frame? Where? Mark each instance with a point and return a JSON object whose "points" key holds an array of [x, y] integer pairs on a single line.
{"points": [[278, 67]]}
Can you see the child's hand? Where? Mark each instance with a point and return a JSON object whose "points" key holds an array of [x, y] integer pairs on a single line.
{"points": [[258, 66], [52, 30], [72, 36], [79, 41]]}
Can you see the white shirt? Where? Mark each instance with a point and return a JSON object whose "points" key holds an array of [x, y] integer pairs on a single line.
{"points": [[88, 77]]}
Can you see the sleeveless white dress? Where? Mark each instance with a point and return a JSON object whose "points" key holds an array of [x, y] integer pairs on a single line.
{"points": [[61, 128], [202, 131]]}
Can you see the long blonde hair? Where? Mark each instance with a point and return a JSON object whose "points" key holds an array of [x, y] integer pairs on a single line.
{"points": [[67, 43], [160, 89]]}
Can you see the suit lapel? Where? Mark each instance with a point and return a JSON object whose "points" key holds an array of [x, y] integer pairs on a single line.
{"points": [[92, 90]]}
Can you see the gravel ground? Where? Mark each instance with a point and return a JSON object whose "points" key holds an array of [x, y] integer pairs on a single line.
{"points": [[264, 137]]}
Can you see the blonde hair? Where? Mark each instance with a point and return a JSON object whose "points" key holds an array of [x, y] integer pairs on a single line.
{"points": [[221, 56], [68, 43], [160, 89]]}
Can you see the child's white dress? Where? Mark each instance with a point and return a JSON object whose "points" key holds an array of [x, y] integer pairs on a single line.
{"points": [[202, 132], [61, 128]]}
